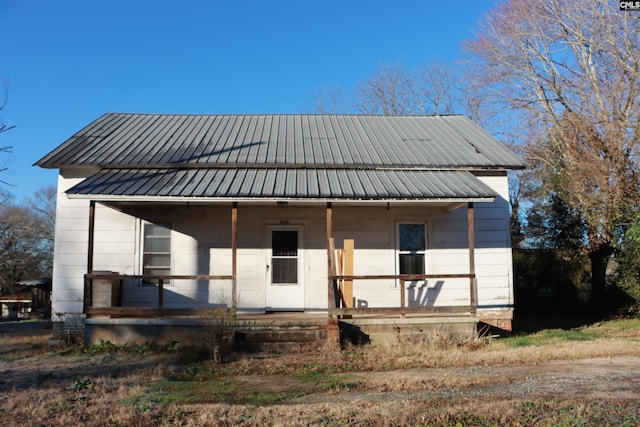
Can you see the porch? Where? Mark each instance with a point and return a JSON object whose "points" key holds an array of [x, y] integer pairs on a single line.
{"points": [[106, 317]]}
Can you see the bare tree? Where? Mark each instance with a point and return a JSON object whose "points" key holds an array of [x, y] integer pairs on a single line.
{"points": [[26, 238], [571, 77], [392, 89], [42, 207], [436, 89], [387, 91], [395, 90], [4, 128], [327, 100]]}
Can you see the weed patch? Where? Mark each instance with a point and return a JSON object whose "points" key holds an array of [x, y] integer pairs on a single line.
{"points": [[102, 347], [80, 385]]}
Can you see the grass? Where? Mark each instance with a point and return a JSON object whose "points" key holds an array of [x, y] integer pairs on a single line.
{"points": [[617, 328], [420, 384]]}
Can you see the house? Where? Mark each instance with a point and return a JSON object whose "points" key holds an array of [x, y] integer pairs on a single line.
{"points": [[15, 306], [161, 216], [40, 290]]}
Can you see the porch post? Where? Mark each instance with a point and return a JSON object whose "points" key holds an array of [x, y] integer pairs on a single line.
{"points": [[330, 294], [92, 219], [473, 288], [234, 255], [88, 283]]}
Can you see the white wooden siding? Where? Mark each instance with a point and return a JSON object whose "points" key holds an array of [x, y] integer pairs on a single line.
{"points": [[201, 240]]}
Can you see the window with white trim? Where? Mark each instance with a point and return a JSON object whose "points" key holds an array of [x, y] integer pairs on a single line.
{"points": [[412, 245], [156, 250]]}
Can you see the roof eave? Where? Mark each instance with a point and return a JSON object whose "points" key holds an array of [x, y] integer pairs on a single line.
{"points": [[264, 200]]}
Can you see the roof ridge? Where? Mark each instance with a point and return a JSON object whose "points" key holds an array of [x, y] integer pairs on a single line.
{"points": [[282, 114]]}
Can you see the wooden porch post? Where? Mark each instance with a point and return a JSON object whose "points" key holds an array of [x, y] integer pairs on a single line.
{"points": [[92, 220], [331, 299], [234, 255], [160, 294], [88, 283], [473, 285]]}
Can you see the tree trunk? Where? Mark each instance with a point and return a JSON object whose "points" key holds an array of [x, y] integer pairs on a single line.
{"points": [[599, 258]]}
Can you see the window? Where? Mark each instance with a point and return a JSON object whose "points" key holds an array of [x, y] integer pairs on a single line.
{"points": [[411, 248], [284, 256], [156, 250]]}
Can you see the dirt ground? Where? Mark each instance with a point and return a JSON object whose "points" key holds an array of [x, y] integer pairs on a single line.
{"points": [[600, 378], [616, 377]]}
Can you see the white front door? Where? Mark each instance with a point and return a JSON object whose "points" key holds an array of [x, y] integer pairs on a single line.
{"points": [[285, 268]]}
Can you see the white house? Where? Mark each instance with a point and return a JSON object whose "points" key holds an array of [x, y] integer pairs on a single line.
{"points": [[190, 212]]}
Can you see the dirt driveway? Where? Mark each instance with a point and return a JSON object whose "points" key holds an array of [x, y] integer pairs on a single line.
{"points": [[600, 378]]}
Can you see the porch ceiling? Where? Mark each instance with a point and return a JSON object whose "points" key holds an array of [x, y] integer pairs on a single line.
{"points": [[269, 184]]}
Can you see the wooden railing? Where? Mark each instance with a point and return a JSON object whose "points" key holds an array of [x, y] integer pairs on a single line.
{"points": [[114, 308], [402, 309], [341, 280]]}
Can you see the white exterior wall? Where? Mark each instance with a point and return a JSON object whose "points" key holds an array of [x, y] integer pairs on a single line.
{"points": [[493, 260], [201, 243], [114, 236]]}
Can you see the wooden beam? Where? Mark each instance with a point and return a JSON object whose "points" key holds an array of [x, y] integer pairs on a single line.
{"points": [[91, 239], [88, 293], [331, 298], [473, 284], [161, 293], [407, 277], [340, 270], [348, 270], [234, 256], [158, 277], [146, 312], [88, 283], [401, 311], [333, 266]]}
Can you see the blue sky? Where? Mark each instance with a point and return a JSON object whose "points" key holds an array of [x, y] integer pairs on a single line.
{"points": [[69, 61]]}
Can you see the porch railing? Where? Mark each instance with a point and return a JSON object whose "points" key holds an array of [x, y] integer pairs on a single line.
{"points": [[342, 307], [111, 301]]}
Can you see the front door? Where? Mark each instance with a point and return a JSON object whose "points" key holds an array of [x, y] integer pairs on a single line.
{"points": [[284, 270]]}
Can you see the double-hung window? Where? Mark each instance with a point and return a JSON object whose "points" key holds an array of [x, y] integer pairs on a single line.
{"points": [[156, 251], [412, 244]]}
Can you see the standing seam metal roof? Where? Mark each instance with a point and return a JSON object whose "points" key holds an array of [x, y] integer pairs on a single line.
{"points": [[355, 157], [349, 184], [139, 140]]}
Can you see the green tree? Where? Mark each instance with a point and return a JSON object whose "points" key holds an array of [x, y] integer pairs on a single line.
{"points": [[627, 273]]}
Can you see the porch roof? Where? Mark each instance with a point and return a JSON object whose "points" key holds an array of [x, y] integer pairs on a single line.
{"points": [[283, 184]]}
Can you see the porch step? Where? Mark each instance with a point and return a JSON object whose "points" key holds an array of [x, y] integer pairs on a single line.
{"points": [[278, 340]]}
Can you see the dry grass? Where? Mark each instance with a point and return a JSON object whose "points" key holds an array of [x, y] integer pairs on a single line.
{"points": [[439, 381]]}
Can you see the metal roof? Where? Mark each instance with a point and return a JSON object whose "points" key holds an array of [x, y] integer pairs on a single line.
{"points": [[119, 140], [272, 183]]}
